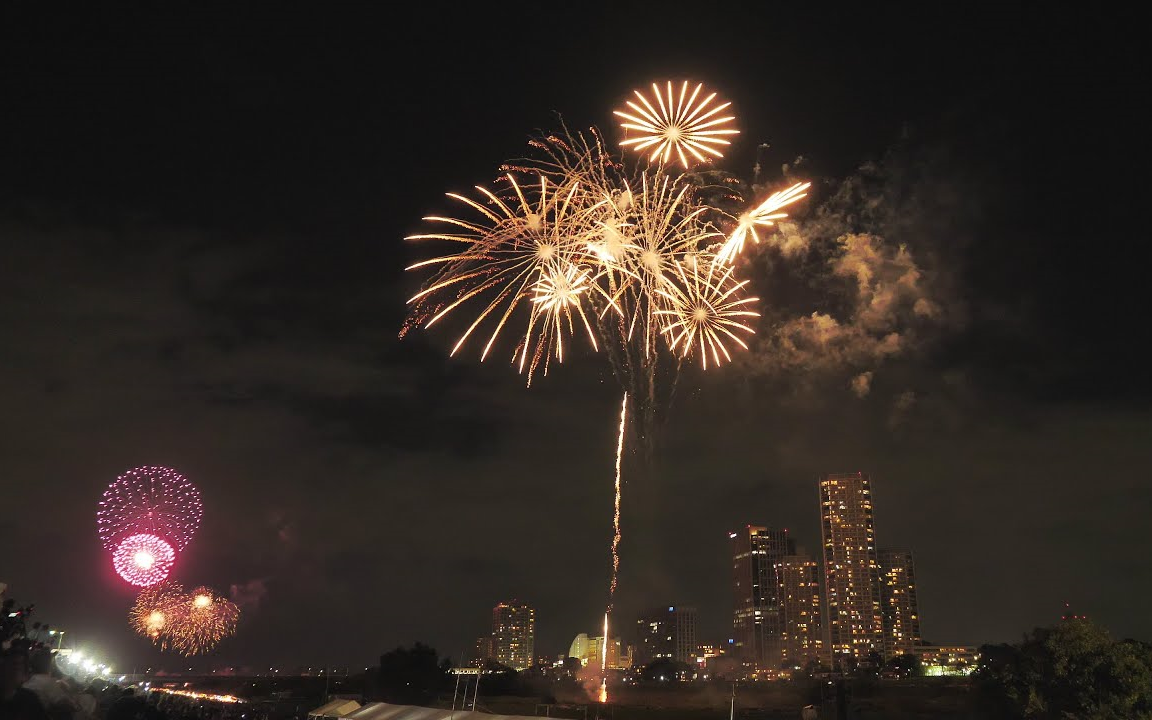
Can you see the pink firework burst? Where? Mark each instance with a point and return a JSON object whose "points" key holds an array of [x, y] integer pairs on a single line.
{"points": [[153, 501], [143, 559]]}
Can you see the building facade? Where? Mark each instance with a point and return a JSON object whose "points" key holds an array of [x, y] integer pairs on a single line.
{"points": [[579, 648], [589, 651], [513, 634], [483, 650], [900, 612], [852, 609], [666, 633], [801, 626], [948, 659], [757, 624]]}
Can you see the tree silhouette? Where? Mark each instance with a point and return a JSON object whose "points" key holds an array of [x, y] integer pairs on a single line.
{"points": [[411, 676], [905, 665], [1072, 670], [667, 670]]}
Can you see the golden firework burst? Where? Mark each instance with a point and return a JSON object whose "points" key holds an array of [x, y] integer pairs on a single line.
{"points": [[705, 311], [557, 297], [156, 609], [522, 248], [672, 122], [203, 620]]}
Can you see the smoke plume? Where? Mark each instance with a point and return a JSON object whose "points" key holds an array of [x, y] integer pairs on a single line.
{"points": [[248, 596], [843, 290]]}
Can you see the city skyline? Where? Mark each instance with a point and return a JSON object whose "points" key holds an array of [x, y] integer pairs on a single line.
{"points": [[780, 599], [204, 213], [788, 593]]}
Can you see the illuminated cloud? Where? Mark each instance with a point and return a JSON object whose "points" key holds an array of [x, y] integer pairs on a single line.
{"points": [[862, 384]]}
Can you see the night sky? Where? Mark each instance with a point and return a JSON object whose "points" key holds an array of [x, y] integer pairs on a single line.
{"points": [[202, 217]]}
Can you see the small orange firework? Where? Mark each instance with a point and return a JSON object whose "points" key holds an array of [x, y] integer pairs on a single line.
{"points": [[156, 610], [203, 620]]}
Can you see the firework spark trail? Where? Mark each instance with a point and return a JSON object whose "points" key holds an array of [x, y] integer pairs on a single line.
{"points": [[604, 663], [764, 215], [615, 550], [616, 513]]}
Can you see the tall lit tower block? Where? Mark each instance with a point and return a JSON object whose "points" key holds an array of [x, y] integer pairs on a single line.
{"points": [[851, 573], [756, 616], [513, 634], [899, 609], [802, 631]]}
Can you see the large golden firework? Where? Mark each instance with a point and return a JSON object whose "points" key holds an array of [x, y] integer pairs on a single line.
{"points": [[763, 215], [673, 122], [588, 240]]}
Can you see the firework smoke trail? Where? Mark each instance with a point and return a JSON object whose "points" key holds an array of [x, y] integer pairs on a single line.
{"points": [[615, 550]]}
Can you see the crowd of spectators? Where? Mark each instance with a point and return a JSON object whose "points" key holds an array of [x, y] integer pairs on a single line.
{"points": [[33, 687]]}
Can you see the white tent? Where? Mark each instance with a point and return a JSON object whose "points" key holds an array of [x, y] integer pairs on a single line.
{"points": [[337, 708], [384, 711]]}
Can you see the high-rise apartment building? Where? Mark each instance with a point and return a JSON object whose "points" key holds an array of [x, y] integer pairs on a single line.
{"points": [[483, 652], [514, 634], [756, 620], [851, 574], [666, 633], [900, 612], [798, 590]]}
